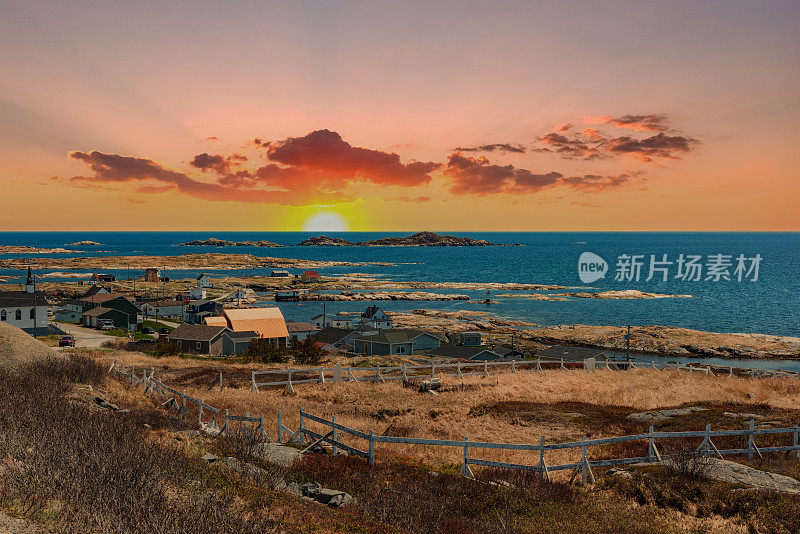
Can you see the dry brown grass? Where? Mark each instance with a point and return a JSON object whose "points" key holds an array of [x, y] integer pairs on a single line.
{"points": [[605, 398]]}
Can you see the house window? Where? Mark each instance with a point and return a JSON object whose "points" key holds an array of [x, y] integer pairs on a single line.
{"points": [[33, 313], [18, 315], [199, 345], [179, 342], [2, 315]]}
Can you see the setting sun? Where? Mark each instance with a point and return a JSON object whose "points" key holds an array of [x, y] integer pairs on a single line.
{"points": [[325, 221]]}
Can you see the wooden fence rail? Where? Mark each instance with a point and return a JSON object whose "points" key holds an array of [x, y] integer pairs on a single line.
{"points": [[290, 377], [333, 431]]}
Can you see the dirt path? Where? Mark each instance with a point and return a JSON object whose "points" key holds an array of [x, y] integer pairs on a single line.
{"points": [[84, 337]]}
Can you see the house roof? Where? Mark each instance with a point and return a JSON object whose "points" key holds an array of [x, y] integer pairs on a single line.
{"points": [[93, 290], [201, 275], [216, 320], [370, 311], [331, 334], [237, 337], [393, 337], [97, 311], [268, 322], [164, 303], [196, 332], [505, 351], [99, 298], [301, 327], [13, 299], [312, 274]]}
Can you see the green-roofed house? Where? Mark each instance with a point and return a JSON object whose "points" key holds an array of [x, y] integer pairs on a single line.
{"points": [[395, 341]]}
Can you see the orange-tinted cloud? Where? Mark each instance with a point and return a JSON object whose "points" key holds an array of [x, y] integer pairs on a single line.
{"points": [[502, 147], [595, 182], [478, 176], [659, 145], [650, 123], [324, 150], [116, 168]]}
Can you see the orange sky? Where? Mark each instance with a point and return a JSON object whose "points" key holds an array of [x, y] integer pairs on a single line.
{"points": [[381, 116]]}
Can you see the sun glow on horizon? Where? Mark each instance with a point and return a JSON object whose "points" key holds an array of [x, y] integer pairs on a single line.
{"points": [[325, 221]]}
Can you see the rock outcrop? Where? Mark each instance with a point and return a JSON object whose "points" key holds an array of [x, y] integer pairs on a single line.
{"points": [[420, 239], [214, 242], [84, 244], [381, 295], [325, 241]]}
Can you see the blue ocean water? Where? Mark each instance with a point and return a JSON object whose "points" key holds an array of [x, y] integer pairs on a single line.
{"points": [[768, 305]]}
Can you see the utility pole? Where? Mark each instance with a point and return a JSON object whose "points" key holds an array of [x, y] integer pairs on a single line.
{"points": [[323, 314], [628, 346]]}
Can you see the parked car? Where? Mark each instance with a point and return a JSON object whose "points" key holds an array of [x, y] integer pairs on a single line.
{"points": [[66, 341], [164, 330], [106, 324], [148, 330]]}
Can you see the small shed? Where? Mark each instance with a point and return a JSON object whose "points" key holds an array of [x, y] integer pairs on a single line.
{"points": [[470, 339]]}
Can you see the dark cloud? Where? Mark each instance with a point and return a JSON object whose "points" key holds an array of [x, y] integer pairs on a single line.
{"points": [[652, 122], [659, 145], [115, 168], [503, 147], [596, 182], [571, 148], [217, 163], [324, 150], [478, 176]]}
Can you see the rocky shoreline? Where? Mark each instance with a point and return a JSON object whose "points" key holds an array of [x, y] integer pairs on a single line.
{"points": [[25, 249], [651, 339], [214, 261], [348, 296]]}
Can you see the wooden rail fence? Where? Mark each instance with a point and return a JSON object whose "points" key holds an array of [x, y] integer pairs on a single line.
{"points": [[333, 432]]}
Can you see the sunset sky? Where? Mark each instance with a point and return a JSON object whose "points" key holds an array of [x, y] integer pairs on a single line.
{"points": [[458, 116]]}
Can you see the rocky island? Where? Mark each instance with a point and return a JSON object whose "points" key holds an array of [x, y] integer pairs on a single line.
{"points": [[325, 241], [214, 242], [420, 239], [84, 244]]}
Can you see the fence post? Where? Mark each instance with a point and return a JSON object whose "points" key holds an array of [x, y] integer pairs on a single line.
{"points": [[289, 389], [750, 438], [335, 436], [220, 381], [302, 431], [458, 373], [542, 465], [253, 388], [486, 368], [562, 364], [371, 450], [730, 371], [132, 373], [225, 428], [200, 412], [650, 445], [405, 375], [465, 469], [796, 442], [280, 427], [538, 364], [321, 375]]}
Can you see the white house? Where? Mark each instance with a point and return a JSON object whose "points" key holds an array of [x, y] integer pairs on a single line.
{"points": [[374, 317], [25, 309], [174, 309], [336, 321], [204, 280], [197, 293]]}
